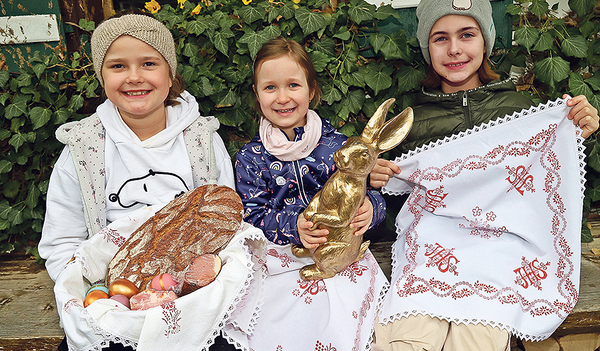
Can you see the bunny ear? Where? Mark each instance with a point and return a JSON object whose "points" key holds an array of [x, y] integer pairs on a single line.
{"points": [[375, 123], [395, 130]]}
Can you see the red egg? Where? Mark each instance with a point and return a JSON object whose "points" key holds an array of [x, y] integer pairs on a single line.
{"points": [[122, 286], [164, 282], [93, 296]]}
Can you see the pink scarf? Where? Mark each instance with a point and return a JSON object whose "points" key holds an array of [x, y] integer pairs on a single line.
{"points": [[277, 144]]}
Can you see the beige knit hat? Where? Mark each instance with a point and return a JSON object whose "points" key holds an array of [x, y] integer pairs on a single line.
{"points": [[145, 28]]}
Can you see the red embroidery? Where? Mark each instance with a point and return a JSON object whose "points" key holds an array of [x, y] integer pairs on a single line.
{"points": [[522, 179], [312, 287], [353, 270], [434, 199], [112, 236], [320, 347], [285, 259], [171, 318], [441, 257], [481, 227], [410, 284], [73, 302], [366, 304], [531, 273]]}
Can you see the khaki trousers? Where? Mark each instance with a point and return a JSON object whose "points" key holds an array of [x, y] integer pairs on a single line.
{"points": [[420, 333]]}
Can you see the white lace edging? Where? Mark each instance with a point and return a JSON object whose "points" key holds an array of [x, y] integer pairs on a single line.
{"points": [[106, 336], [241, 292], [502, 120]]}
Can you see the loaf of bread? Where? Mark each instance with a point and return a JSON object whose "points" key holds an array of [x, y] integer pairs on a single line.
{"points": [[200, 221]]}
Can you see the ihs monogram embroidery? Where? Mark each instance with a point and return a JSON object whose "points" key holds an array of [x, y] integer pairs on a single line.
{"points": [[441, 257], [434, 199], [531, 273], [522, 181]]}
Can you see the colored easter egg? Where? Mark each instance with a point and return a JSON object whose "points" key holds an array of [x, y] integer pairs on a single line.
{"points": [[93, 296], [99, 286], [122, 286], [163, 281], [122, 299]]}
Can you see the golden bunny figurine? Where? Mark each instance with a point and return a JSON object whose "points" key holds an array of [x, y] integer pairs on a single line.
{"points": [[336, 204]]}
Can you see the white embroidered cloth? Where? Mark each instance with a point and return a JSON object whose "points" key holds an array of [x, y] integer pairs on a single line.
{"points": [[328, 314], [491, 232], [189, 323]]}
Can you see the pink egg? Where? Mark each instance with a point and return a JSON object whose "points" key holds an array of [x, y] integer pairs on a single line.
{"points": [[163, 281], [121, 299]]}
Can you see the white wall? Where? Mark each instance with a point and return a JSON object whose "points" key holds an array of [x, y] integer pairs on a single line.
{"points": [[562, 4]]}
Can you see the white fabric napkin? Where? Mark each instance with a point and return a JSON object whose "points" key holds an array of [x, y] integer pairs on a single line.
{"points": [[189, 323], [491, 231], [328, 314]]}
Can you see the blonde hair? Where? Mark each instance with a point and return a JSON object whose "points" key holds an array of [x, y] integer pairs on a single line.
{"points": [[279, 47]]}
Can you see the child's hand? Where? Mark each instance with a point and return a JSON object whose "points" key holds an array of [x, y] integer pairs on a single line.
{"points": [[310, 238], [382, 172], [363, 217], [583, 114]]}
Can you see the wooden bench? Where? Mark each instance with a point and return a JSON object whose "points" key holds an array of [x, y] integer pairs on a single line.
{"points": [[29, 321]]}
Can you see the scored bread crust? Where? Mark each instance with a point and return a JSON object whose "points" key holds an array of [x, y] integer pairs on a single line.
{"points": [[200, 221]]}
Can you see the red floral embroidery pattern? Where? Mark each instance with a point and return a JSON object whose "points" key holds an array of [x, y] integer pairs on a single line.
{"points": [[321, 347], [310, 287], [73, 302], [171, 317], [285, 258], [480, 227], [368, 300], [112, 236], [409, 284], [352, 271]]}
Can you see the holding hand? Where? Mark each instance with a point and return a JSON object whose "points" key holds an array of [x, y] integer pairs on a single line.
{"points": [[382, 172], [363, 217], [310, 238], [583, 114]]}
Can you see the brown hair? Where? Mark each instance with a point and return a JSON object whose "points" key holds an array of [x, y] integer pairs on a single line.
{"points": [[485, 72], [178, 85], [278, 47]]}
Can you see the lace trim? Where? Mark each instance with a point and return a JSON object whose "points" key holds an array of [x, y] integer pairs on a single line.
{"points": [[259, 238], [510, 329], [106, 336], [499, 121]]}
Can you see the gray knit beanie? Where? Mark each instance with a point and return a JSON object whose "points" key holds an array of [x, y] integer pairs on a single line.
{"points": [[145, 28], [429, 11]]}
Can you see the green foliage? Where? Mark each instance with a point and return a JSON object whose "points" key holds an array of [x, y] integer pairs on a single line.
{"points": [[562, 55], [358, 68]]}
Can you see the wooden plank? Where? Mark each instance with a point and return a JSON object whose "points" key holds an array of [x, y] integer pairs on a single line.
{"points": [[27, 305]]}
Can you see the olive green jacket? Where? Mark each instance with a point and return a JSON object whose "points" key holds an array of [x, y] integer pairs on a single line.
{"points": [[438, 115]]}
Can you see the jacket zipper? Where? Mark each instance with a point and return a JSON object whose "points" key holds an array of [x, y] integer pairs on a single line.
{"points": [[465, 103]]}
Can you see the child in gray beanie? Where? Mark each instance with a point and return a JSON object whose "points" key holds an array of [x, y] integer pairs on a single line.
{"points": [[460, 92]]}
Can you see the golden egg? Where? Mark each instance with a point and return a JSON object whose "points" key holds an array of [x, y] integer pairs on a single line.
{"points": [[93, 296], [122, 286]]}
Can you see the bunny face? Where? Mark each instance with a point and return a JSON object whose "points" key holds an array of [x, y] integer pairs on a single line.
{"points": [[356, 157]]}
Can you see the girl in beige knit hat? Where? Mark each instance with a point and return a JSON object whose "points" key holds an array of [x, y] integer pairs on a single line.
{"points": [[145, 145]]}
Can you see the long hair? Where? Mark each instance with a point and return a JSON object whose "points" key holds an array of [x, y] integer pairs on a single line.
{"points": [[279, 47]]}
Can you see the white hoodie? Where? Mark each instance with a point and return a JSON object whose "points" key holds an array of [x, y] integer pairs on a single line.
{"points": [[137, 173]]}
